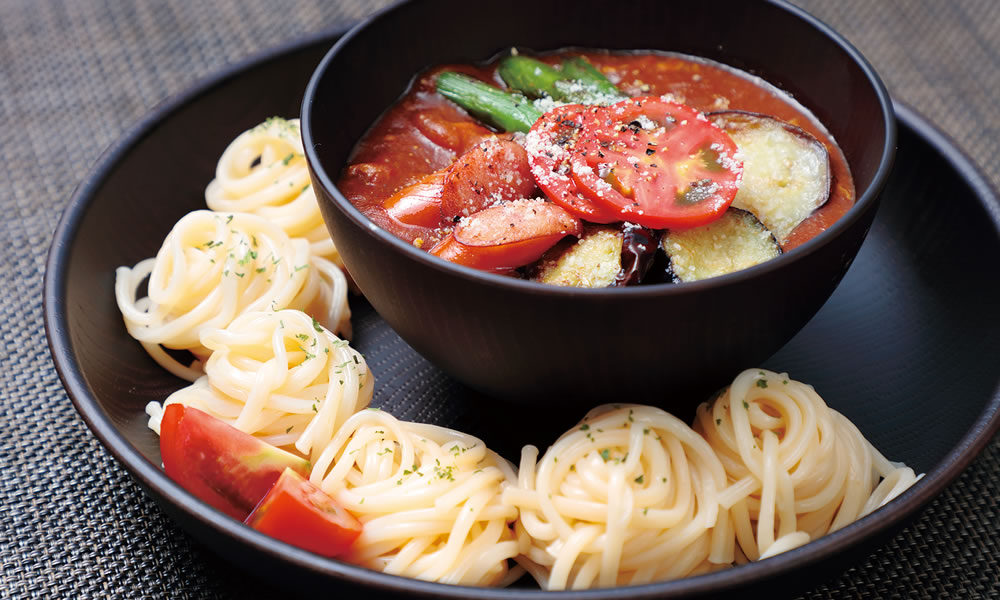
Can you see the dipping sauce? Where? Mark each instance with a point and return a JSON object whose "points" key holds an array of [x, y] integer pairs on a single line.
{"points": [[424, 133]]}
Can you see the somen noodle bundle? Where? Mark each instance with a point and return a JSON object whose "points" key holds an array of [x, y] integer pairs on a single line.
{"points": [[213, 267], [428, 499], [280, 376], [263, 171], [797, 469], [628, 496]]}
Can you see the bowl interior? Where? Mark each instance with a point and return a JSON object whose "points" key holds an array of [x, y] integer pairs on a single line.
{"points": [[762, 38]]}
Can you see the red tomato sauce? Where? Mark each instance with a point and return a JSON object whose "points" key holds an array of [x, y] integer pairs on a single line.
{"points": [[424, 132]]}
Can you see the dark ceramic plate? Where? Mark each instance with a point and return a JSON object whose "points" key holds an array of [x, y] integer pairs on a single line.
{"points": [[906, 347]]}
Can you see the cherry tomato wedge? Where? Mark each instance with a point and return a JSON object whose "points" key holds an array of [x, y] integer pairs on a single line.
{"points": [[550, 145], [419, 203], [221, 465], [660, 164], [299, 513]]}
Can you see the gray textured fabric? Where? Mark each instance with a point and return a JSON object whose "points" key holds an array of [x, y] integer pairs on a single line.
{"points": [[77, 74]]}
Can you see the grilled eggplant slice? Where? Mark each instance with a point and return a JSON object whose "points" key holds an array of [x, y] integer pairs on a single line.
{"points": [[735, 241], [592, 261], [786, 171]]}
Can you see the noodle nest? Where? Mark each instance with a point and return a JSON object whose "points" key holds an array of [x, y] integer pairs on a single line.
{"points": [[428, 499], [263, 172], [279, 376], [213, 267], [797, 468], [629, 496]]}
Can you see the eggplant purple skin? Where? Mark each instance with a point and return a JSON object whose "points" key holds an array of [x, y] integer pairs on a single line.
{"points": [[659, 269], [639, 246]]}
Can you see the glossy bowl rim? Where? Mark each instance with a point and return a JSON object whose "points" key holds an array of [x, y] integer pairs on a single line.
{"points": [[866, 202], [155, 481]]}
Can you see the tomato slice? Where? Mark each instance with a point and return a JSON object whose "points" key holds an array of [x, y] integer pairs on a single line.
{"points": [[657, 163], [219, 464], [551, 144], [297, 512]]}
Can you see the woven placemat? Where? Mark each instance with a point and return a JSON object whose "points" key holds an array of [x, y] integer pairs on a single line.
{"points": [[74, 76]]}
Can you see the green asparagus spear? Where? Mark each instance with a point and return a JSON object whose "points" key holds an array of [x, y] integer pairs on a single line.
{"points": [[530, 76], [503, 110], [538, 79], [580, 68]]}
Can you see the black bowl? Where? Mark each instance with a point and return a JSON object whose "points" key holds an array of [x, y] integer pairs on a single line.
{"points": [[525, 341], [906, 348]]}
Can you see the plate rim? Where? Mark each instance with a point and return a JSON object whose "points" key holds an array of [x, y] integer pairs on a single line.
{"points": [[156, 484]]}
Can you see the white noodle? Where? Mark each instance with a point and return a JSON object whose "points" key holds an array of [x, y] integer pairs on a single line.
{"points": [[628, 496], [264, 172], [797, 469], [279, 376], [428, 499], [213, 267]]}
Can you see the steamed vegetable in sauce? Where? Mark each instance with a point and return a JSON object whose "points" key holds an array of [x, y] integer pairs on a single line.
{"points": [[512, 166]]}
